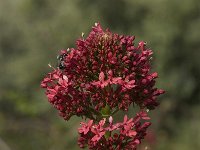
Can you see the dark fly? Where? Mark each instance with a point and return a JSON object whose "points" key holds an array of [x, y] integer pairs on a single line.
{"points": [[61, 64]]}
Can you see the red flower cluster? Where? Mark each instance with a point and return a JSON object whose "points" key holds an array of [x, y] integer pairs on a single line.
{"points": [[123, 135], [104, 69], [105, 73]]}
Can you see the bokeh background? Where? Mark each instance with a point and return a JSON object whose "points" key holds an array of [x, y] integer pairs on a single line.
{"points": [[33, 31]]}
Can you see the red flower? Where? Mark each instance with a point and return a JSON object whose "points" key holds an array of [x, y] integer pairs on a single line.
{"points": [[85, 127], [98, 130], [101, 83], [105, 73], [121, 135], [127, 127]]}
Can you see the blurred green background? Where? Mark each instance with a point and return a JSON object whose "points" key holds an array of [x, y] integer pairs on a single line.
{"points": [[33, 31]]}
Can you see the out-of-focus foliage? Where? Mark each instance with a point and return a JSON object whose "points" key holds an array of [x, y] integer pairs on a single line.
{"points": [[32, 32]]}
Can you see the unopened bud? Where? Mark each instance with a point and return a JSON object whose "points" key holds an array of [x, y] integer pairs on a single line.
{"points": [[82, 34]]}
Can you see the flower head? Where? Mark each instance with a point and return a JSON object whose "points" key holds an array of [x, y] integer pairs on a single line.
{"points": [[124, 135], [104, 69], [105, 73]]}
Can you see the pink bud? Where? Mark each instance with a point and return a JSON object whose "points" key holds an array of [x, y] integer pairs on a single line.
{"points": [[110, 119], [110, 73], [101, 76], [109, 54]]}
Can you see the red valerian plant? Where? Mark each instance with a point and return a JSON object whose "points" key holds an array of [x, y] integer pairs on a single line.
{"points": [[122, 135], [105, 73]]}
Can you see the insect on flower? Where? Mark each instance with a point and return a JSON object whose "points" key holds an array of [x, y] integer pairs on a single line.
{"points": [[60, 59]]}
